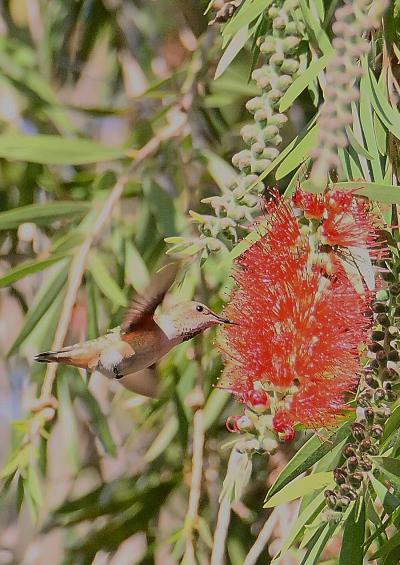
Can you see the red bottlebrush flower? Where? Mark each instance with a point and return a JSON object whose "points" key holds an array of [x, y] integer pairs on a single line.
{"points": [[298, 330], [348, 222], [313, 205]]}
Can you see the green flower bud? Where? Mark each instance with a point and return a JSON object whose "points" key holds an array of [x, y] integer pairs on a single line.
{"points": [[290, 66]]}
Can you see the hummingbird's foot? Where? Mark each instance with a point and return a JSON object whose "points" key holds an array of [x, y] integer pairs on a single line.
{"points": [[117, 373]]}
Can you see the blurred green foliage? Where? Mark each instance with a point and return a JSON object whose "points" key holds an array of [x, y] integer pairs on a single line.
{"points": [[112, 106]]}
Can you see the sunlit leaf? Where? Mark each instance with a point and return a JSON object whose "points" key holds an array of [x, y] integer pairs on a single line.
{"points": [[55, 150], [42, 214], [300, 487]]}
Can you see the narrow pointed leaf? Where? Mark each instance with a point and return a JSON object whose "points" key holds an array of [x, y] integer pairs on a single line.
{"points": [[300, 487], [353, 538], [42, 214]]}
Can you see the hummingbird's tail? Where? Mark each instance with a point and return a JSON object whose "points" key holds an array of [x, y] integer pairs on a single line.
{"points": [[79, 355]]}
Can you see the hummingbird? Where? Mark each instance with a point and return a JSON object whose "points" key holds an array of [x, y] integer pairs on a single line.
{"points": [[143, 338]]}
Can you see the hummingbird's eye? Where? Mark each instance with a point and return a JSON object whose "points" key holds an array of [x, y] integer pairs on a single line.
{"points": [[199, 308]]}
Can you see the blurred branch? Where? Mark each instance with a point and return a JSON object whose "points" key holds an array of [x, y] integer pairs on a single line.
{"points": [[178, 120], [262, 539], [221, 530], [195, 486]]}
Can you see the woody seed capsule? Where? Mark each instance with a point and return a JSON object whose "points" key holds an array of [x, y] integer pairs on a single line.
{"points": [[340, 475], [349, 450], [352, 464]]}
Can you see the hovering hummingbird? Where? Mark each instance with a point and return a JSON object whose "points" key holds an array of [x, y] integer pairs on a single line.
{"points": [[142, 339]]}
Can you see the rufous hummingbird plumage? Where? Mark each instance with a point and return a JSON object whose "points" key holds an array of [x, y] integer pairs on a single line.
{"points": [[142, 339]]}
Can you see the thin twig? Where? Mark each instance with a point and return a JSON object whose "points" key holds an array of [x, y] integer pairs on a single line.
{"points": [[195, 486], [79, 262], [221, 531], [262, 539]]}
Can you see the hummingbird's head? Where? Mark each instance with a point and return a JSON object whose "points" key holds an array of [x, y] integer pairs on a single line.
{"points": [[187, 319]]}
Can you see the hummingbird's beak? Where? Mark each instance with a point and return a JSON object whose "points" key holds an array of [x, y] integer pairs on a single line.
{"points": [[224, 320]]}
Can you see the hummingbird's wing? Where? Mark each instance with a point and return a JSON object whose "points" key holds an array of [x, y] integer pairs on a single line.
{"points": [[142, 308]]}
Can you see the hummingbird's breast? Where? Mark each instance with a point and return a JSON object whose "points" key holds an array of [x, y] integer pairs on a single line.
{"points": [[135, 351]]}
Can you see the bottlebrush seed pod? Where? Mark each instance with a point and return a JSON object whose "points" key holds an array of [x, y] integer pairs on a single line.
{"points": [[330, 498], [340, 475], [355, 479], [352, 463], [344, 489], [350, 450], [365, 445], [376, 431], [378, 335], [379, 395], [397, 312], [380, 308], [383, 320], [388, 276], [352, 494], [381, 357], [358, 431], [365, 464], [391, 395], [393, 355], [388, 374], [374, 364], [373, 383], [374, 347], [394, 289], [382, 413], [369, 415], [343, 502]]}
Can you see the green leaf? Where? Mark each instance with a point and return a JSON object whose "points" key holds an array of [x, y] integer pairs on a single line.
{"points": [[104, 280], [92, 294], [313, 24], [372, 190], [299, 154], [353, 536], [235, 46], [390, 467], [55, 150], [28, 268], [300, 487], [367, 124], [311, 452], [389, 501], [302, 81], [50, 291], [305, 517], [42, 214], [317, 543], [162, 440], [393, 543], [136, 272], [249, 11], [392, 424], [388, 115], [356, 145], [214, 406], [97, 419], [68, 419]]}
